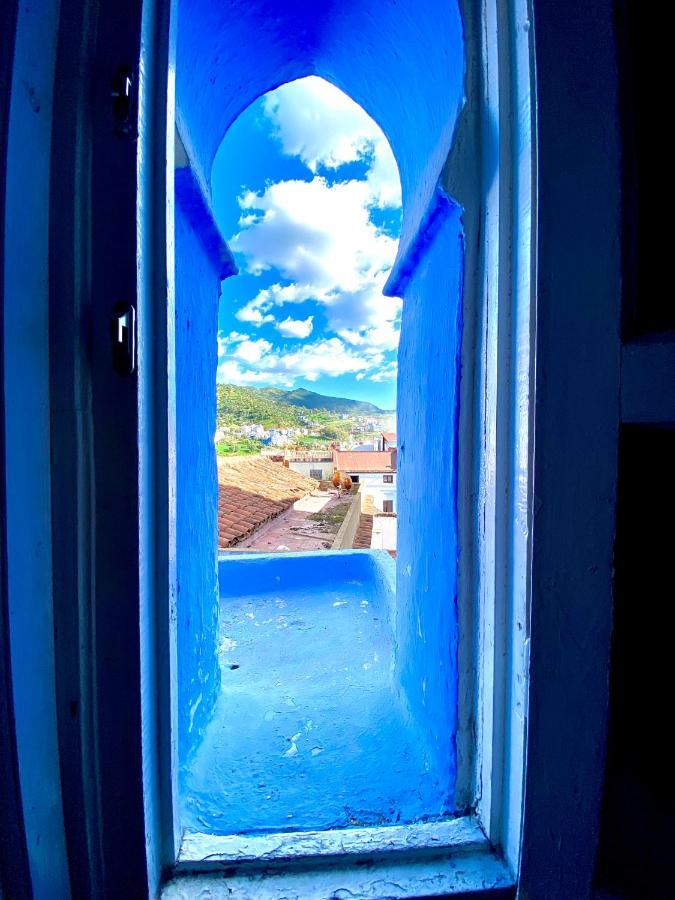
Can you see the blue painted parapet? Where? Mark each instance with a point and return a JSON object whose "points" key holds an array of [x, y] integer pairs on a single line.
{"points": [[264, 573], [428, 416], [203, 260]]}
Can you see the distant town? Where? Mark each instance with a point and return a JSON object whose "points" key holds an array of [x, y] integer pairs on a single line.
{"points": [[250, 420], [299, 470]]}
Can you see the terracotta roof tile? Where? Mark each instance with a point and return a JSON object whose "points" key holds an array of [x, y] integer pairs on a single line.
{"points": [[252, 490], [365, 460], [364, 533]]}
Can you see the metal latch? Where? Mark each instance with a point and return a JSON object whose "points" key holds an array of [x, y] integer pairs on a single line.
{"points": [[123, 94], [123, 334]]}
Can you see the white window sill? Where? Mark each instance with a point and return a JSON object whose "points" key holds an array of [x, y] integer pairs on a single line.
{"points": [[427, 860]]}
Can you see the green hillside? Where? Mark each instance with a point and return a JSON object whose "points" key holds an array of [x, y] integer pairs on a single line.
{"points": [[240, 405], [273, 408], [311, 400]]}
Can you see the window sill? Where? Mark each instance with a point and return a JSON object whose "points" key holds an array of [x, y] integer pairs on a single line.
{"points": [[434, 859]]}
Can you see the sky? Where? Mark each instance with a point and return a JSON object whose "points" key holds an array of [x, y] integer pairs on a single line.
{"points": [[307, 194]]}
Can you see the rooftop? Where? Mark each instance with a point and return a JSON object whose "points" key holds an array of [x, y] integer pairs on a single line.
{"points": [[252, 490], [366, 461]]}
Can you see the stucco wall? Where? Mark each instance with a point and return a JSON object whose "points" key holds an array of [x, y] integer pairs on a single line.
{"points": [[374, 491], [197, 294], [306, 468], [384, 533], [426, 603]]}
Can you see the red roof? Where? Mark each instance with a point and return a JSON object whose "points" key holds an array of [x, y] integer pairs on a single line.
{"points": [[365, 461], [389, 436], [252, 490]]}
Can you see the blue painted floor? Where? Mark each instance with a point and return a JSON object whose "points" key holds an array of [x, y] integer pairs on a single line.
{"points": [[308, 731]]}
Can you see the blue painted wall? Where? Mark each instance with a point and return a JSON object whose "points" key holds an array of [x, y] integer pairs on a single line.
{"points": [[310, 730], [428, 414], [198, 276], [403, 62], [264, 573]]}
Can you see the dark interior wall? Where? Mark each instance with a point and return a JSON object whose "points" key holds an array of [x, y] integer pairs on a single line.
{"points": [[637, 846], [13, 856], [636, 854], [644, 96]]}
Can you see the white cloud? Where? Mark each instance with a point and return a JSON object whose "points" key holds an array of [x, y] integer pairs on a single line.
{"points": [[320, 237], [231, 372], [321, 125], [315, 233], [256, 311], [297, 328], [252, 351], [250, 362], [253, 316], [388, 372]]}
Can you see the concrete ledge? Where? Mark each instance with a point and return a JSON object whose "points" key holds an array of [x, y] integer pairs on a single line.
{"points": [[451, 835], [258, 573], [426, 860], [344, 539]]}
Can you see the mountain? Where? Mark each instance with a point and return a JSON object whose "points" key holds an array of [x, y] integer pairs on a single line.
{"points": [[274, 408], [312, 400]]}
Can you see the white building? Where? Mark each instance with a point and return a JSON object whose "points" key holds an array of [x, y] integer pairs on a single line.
{"points": [[279, 437], [384, 533], [375, 471], [318, 466], [257, 432], [385, 440]]}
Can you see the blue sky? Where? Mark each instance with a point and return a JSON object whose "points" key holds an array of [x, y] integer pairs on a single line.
{"points": [[307, 193]]}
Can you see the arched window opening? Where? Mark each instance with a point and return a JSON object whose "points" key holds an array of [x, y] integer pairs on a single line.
{"points": [[308, 657], [307, 190]]}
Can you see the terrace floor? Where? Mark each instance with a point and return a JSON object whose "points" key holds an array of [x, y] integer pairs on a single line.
{"points": [[311, 523], [309, 731]]}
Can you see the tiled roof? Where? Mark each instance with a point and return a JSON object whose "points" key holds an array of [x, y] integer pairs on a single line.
{"points": [[389, 436], [252, 490], [364, 533], [365, 460]]}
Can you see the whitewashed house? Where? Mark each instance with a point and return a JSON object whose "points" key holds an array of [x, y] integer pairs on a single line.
{"points": [[385, 440], [375, 471], [317, 465]]}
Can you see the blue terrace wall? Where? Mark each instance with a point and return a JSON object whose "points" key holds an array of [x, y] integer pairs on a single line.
{"points": [[200, 266], [309, 731], [428, 414]]}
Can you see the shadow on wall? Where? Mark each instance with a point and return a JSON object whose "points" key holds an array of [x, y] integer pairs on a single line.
{"points": [[403, 63]]}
